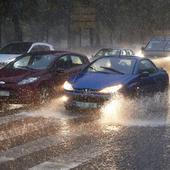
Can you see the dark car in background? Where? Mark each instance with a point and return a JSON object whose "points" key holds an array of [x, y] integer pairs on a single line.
{"points": [[157, 47], [112, 51], [111, 75], [13, 50], [35, 77]]}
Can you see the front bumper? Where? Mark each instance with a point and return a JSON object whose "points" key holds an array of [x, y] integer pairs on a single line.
{"points": [[94, 100], [23, 94]]}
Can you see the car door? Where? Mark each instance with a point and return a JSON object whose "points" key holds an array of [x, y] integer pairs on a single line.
{"points": [[61, 72], [65, 67], [148, 74], [77, 64], [62, 68]]}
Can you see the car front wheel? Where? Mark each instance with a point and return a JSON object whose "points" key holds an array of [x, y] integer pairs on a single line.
{"points": [[44, 95]]}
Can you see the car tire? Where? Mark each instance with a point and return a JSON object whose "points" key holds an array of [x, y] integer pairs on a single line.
{"points": [[166, 96], [44, 95], [69, 109], [3, 107]]}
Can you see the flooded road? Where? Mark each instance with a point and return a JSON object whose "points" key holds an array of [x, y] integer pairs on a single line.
{"points": [[126, 134]]}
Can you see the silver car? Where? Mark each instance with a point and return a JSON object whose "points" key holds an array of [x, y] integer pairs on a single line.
{"points": [[157, 47], [9, 52], [113, 51]]}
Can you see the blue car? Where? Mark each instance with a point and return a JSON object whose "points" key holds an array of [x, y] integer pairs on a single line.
{"points": [[111, 75]]}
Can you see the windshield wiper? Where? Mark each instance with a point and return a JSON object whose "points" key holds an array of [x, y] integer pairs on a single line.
{"points": [[112, 69], [92, 68]]}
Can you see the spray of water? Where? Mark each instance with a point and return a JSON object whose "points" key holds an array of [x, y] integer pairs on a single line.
{"points": [[144, 111], [163, 63]]}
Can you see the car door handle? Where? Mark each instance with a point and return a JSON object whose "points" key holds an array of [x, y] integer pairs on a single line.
{"points": [[60, 70]]}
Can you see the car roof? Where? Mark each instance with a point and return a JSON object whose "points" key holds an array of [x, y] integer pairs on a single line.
{"points": [[115, 49], [56, 53], [125, 57], [161, 38], [30, 43]]}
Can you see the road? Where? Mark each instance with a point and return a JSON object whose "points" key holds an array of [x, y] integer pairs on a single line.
{"points": [[126, 134]]}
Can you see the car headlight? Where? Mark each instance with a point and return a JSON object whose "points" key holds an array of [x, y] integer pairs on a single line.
{"points": [[67, 86], [111, 89], [28, 80]]}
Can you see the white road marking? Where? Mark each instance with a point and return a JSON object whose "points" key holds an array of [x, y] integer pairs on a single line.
{"points": [[5, 159], [75, 158], [34, 146], [23, 129], [11, 118]]}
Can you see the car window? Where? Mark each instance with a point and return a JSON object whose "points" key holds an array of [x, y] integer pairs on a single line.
{"points": [[40, 48], [76, 61], [22, 62], [146, 65], [107, 52], [129, 52], [156, 45], [43, 48], [123, 52], [63, 62], [39, 62], [35, 48], [168, 46]]}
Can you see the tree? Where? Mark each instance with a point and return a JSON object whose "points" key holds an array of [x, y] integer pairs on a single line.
{"points": [[3, 14]]}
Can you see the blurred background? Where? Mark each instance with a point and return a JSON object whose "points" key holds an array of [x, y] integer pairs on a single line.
{"points": [[83, 24]]}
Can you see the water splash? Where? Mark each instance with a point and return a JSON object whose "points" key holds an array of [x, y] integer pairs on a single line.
{"points": [[144, 111]]}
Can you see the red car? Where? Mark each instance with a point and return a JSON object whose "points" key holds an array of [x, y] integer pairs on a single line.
{"points": [[35, 77]]}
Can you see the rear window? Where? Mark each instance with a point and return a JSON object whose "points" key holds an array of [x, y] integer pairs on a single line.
{"points": [[76, 60], [107, 52], [156, 45]]}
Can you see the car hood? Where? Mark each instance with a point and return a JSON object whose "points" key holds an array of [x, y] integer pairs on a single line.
{"points": [[6, 58], [14, 76], [98, 81]]}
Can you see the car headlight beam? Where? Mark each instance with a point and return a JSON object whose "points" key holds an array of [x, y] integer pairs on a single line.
{"points": [[68, 86], [111, 89]]}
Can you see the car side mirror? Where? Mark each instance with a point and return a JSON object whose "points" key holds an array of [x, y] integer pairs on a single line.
{"points": [[144, 74], [142, 48]]}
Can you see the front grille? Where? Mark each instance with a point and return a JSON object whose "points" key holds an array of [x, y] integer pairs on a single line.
{"points": [[88, 91], [88, 96]]}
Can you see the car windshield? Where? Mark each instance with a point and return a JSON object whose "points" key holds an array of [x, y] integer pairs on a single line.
{"points": [[39, 62], [107, 52], [15, 48], [112, 65], [156, 45], [168, 46]]}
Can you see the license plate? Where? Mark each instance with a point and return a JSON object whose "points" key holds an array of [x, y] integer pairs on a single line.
{"points": [[4, 93], [85, 105]]}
